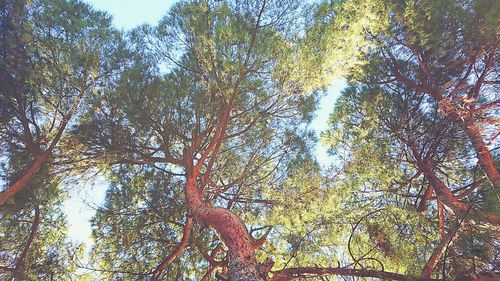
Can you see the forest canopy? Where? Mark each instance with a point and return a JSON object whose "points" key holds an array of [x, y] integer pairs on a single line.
{"points": [[201, 127]]}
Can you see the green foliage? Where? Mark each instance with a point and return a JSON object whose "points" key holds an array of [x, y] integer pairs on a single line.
{"points": [[310, 234], [50, 255], [139, 224], [338, 45], [217, 55], [371, 130], [140, 103], [54, 54], [349, 38]]}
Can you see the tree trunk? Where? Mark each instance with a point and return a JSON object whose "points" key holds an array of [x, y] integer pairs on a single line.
{"points": [[429, 267], [423, 202], [483, 154], [27, 176], [443, 193], [231, 230]]}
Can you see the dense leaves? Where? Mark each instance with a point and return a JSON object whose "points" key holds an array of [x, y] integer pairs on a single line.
{"points": [[199, 125], [54, 54]]}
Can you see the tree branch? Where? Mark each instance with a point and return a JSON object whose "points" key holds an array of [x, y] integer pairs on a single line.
{"points": [[178, 249], [306, 272]]}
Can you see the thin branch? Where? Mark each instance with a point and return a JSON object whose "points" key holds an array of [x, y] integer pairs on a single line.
{"points": [[178, 249], [307, 272]]}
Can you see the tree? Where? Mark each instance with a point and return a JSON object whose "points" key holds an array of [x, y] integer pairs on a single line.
{"points": [[442, 53], [200, 125], [384, 151], [33, 240], [443, 49], [219, 122], [54, 54]]}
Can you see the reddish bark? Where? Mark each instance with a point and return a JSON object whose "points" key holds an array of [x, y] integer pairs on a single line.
{"points": [[207, 275], [176, 252], [486, 161], [305, 272], [429, 267], [231, 230], [259, 242], [423, 202], [29, 174], [443, 193], [34, 227], [441, 218], [211, 258], [483, 154], [471, 187]]}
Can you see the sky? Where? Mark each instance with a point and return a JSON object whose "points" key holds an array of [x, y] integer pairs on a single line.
{"points": [[127, 14], [80, 207]]}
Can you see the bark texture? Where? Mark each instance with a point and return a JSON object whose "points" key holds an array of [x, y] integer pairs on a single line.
{"points": [[305, 272], [483, 154], [429, 267], [176, 252], [231, 230], [27, 176]]}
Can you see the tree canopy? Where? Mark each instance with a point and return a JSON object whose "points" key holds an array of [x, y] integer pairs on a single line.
{"points": [[201, 127]]}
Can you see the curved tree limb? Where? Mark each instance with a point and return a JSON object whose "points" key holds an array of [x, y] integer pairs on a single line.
{"points": [[472, 131], [257, 243], [29, 174], [36, 221], [356, 261], [445, 243], [175, 253], [307, 272]]}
